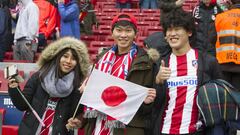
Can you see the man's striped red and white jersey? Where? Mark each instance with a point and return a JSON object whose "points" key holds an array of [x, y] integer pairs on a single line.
{"points": [[181, 112]]}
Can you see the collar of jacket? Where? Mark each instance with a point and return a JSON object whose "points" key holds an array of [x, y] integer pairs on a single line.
{"points": [[142, 61]]}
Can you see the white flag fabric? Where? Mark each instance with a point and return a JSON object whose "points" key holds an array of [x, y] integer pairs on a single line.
{"points": [[113, 96]]}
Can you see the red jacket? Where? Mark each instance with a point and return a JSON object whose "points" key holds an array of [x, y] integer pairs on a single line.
{"points": [[48, 18]]}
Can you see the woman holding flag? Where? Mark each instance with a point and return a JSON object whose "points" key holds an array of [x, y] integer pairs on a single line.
{"points": [[52, 92], [127, 61]]}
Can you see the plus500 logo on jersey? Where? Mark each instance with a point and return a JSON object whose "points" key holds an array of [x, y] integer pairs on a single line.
{"points": [[182, 81]]}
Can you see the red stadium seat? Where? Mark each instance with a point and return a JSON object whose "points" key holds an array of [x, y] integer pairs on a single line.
{"points": [[101, 44], [150, 11], [4, 85], [88, 39], [130, 11], [3, 112], [1, 74], [9, 130], [104, 27], [17, 61], [8, 56]]}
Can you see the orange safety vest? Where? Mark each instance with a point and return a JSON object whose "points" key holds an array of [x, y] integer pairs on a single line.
{"points": [[228, 36]]}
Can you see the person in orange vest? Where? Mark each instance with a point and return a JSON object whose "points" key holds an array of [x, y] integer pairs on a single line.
{"points": [[228, 40]]}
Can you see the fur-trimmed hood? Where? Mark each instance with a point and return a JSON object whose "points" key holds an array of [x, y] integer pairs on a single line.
{"points": [[153, 54], [67, 42]]}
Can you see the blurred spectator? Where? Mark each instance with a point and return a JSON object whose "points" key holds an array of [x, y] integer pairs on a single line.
{"points": [[93, 2], [228, 40], [69, 13], [48, 17], [148, 4], [157, 41], [168, 5], [204, 15], [123, 4], [89, 17], [223, 4], [5, 28], [25, 38]]}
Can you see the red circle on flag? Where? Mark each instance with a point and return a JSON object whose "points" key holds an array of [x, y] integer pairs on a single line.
{"points": [[113, 96]]}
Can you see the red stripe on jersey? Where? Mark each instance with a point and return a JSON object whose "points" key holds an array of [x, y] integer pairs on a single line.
{"points": [[181, 112], [108, 65], [194, 117], [165, 108], [181, 94], [104, 131], [117, 65]]}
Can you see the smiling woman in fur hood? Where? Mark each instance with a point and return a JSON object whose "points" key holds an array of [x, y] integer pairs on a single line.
{"points": [[53, 89]]}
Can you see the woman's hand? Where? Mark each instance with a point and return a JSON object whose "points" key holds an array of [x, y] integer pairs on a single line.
{"points": [[82, 87], [151, 96], [74, 123], [12, 83]]}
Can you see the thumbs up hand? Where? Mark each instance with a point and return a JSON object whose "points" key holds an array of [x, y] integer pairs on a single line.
{"points": [[163, 73]]}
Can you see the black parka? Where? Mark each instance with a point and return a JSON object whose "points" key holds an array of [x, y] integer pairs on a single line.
{"points": [[206, 35], [38, 98]]}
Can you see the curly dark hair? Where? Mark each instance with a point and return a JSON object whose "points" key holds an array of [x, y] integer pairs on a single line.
{"points": [[179, 18]]}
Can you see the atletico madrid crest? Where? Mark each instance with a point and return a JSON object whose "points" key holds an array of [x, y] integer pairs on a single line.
{"points": [[195, 63]]}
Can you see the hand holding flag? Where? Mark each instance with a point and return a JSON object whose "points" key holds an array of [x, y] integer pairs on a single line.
{"points": [[82, 87], [151, 96], [74, 123], [115, 97]]}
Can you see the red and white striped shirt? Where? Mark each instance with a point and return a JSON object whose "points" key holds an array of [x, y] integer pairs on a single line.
{"points": [[181, 112]]}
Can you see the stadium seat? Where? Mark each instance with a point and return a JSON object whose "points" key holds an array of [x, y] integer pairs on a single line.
{"points": [[150, 11], [89, 38], [8, 56], [31, 73], [3, 112], [131, 11], [97, 44], [2, 74], [104, 27], [9, 130], [4, 85], [17, 61]]}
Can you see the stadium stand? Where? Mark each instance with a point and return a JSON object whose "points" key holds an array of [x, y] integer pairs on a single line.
{"points": [[148, 23]]}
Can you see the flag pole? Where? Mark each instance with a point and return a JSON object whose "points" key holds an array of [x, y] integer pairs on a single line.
{"points": [[31, 108], [85, 81]]}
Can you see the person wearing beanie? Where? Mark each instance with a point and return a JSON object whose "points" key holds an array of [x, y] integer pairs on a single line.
{"points": [[53, 90], [125, 60]]}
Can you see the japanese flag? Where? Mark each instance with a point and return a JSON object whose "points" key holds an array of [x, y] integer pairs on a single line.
{"points": [[113, 96]]}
